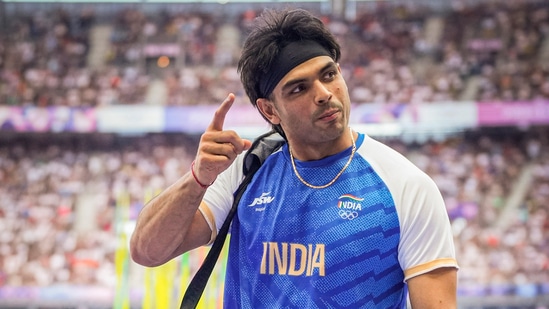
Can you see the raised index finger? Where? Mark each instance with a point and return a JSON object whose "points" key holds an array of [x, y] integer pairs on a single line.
{"points": [[219, 116]]}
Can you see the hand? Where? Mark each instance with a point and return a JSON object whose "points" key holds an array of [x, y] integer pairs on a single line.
{"points": [[217, 148]]}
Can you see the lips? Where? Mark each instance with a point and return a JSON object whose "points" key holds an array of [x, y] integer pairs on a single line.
{"points": [[329, 115]]}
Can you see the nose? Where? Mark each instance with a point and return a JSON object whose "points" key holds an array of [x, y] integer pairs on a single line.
{"points": [[322, 93]]}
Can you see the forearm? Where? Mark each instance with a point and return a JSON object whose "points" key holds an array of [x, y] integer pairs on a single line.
{"points": [[170, 224], [166, 227]]}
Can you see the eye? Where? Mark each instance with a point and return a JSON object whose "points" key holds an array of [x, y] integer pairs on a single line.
{"points": [[330, 75], [298, 89]]}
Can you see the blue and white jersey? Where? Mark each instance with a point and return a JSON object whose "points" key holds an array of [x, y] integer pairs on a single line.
{"points": [[350, 245]]}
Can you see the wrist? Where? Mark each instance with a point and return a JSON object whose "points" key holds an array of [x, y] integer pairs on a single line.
{"points": [[200, 183]]}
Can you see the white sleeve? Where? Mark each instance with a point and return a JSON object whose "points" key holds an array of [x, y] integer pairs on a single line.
{"points": [[426, 236], [218, 199], [426, 241]]}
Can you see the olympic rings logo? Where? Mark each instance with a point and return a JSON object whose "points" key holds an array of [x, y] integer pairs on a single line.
{"points": [[348, 214]]}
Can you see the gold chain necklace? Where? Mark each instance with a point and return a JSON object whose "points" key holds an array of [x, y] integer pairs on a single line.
{"points": [[338, 174]]}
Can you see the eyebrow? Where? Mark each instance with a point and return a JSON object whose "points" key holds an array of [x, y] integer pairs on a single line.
{"points": [[292, 82]]}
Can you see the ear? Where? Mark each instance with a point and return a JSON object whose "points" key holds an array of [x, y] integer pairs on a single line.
{"points": [[268, 110]]}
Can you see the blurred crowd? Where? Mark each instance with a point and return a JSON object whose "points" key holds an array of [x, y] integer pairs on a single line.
{"points": [[58, 220], [498, 50], [496, 191], [60, 195]]}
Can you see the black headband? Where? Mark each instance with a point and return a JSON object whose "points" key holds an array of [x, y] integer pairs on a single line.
{"points": [[291, 55]]}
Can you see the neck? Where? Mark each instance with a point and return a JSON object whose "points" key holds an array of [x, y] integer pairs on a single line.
{"points": [[308, 184], [312, 152]]}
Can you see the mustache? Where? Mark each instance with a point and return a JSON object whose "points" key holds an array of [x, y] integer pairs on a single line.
{"points": [[331, 106]]}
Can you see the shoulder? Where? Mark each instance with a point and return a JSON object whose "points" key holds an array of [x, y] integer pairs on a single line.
{"points": [[388, 162], [404, 179]]}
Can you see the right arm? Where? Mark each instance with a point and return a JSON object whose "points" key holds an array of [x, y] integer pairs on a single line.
{"points": [[170, 224]]}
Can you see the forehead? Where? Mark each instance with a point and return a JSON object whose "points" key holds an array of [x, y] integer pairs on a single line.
{"points": [[306, 70]]}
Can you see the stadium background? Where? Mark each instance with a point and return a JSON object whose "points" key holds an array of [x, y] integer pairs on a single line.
{"points": [[101, 105]]}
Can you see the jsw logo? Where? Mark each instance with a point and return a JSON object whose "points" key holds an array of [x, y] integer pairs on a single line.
{"points": [[263, 199]]}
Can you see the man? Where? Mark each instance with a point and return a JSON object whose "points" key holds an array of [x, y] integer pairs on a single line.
{"points": [[334, 219]]}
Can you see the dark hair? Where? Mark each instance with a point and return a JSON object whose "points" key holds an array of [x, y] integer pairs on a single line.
{"points": [[272, 31]]}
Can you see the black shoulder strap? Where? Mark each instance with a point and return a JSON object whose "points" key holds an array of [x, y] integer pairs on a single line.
{"points": [[261, 148]]}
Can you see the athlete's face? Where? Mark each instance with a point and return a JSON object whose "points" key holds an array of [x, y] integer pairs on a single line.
{"points": [[312, 105]]}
